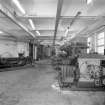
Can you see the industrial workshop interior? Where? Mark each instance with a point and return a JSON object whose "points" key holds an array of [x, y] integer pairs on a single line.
{"points": [[52, 52]]}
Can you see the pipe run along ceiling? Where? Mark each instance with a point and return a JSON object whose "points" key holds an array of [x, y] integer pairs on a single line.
{"points": [[47, 21]]}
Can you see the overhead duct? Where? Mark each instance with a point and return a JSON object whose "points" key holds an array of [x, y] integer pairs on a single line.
{"points": [[72, 22], [78, 13]]}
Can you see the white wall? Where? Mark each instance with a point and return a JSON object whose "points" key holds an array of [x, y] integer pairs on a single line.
{"points": [[23, 47], [11, 48]]}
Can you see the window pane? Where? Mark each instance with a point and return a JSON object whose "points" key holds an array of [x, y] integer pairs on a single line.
{"points": [[100, 42], [88, 50], [100, 49], [89, 39], [101, 35]]}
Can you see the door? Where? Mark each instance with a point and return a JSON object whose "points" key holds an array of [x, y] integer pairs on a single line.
{"points": [[31, 50]]}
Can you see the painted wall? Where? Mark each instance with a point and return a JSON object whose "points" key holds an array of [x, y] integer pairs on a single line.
{"points": [[23, 47], [11, 48]]}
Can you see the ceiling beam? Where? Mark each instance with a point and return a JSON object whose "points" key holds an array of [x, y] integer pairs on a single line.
{"points": [[83, 18], [58, 14], [46, 17], [47, 38], [10, 16]]}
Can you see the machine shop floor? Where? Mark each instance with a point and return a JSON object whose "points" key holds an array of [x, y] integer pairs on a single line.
{"points": [[32, 86]]}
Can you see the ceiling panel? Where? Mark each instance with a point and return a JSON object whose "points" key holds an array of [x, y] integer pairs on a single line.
{"points": [[44, 23], [96, 8], [43, 15], [7, 24], [40, 7], [25, 21], [41, 23], [3, 34], [60, 33], [71, 7], [64, 23], [1, 15], [7, 4], [10, 28], [47, 37], [46, 32], [79, 24], [18, 33]]}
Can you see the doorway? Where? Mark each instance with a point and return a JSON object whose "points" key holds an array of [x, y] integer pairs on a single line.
{"points": [[31, 50]]}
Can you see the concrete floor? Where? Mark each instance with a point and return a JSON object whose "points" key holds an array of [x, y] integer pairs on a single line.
{"points": [[32, 86]]}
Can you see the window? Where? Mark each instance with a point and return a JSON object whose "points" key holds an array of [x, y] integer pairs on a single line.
{"points": [[100, 50], [100, 43], [88, 44], [101, 35]]}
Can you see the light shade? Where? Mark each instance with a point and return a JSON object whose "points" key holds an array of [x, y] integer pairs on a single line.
{"points": [[89, 1], [38, 32], [32, 24], [17, 3]]}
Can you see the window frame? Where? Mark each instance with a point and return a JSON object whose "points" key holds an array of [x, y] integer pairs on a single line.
{"points": [[99, 43]]}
